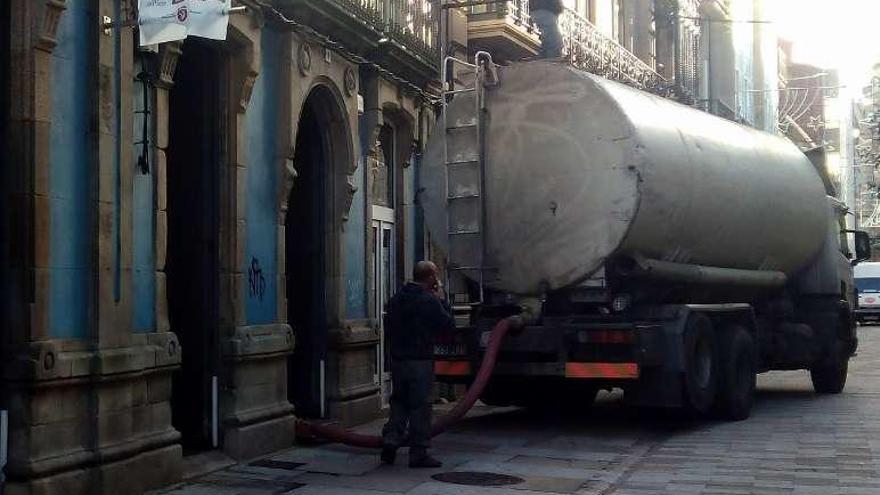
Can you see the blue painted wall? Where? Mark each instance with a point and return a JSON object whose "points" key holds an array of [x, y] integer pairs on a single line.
{"points": [[144, 262], [355, 249], [69, 157], [261, 246]]}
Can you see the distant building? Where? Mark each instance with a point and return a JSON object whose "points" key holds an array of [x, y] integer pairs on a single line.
{"points": [[867, 156], [739, 62], [814, 116]]}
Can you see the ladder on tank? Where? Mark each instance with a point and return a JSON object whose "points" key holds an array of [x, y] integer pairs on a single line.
{"points": [[464, 160]]}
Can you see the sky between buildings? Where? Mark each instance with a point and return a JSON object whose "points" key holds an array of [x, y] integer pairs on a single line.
{"points": [[839, 34]]}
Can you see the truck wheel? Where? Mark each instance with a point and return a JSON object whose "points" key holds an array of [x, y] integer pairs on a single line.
{"points": [[829, 377], [700, 364], [736, 364]]}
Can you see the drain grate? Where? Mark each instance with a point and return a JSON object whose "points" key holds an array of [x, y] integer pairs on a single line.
{"points": [[477, 478], [273, 464]]}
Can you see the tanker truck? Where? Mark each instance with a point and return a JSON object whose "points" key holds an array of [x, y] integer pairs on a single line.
{"points": [[646, 245]]}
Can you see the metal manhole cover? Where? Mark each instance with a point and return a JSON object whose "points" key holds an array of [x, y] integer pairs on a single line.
{"points": [[274, 464], [477, 478]]}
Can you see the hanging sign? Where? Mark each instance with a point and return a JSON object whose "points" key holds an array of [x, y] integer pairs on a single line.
{"points": [[161, 21]]}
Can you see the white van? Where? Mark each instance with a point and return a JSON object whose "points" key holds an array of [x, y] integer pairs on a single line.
{"points": [[867, 278]]}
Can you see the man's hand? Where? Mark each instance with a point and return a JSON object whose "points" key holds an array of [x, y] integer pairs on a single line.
{"points": [[438, 292]]}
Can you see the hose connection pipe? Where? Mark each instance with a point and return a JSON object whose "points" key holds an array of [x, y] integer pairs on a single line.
{"points": [[339, 435]]}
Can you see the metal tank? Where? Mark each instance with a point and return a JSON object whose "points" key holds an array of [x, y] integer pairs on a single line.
{"points": [[580, 168]]}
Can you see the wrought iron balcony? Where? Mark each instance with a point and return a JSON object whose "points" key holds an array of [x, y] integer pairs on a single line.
{"points": [[516, 11], [503, 28], [585, 47], [400, 35], [411, 23]]}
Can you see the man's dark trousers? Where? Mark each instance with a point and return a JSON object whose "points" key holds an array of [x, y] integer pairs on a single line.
{"points": [[411, 382]]}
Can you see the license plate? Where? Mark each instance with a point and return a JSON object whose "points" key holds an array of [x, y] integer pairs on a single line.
{"points": [[449, 350]]}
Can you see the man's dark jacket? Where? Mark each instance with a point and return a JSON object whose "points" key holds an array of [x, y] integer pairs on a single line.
{"points": [[554, 6], [415, 317]]}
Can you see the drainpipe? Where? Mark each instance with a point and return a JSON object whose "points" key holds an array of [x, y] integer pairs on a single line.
{"points": [[710, 94], [444, 23], [676, 29]]}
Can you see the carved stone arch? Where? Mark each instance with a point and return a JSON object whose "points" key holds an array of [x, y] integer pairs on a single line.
{"points": [[336, 117], [327, 101]]}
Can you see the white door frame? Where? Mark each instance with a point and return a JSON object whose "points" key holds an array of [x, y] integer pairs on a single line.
{"points": [[382, 221]]}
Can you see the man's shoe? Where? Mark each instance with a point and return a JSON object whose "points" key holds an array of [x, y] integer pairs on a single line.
{"points": [[388, 454], [424, 461]]}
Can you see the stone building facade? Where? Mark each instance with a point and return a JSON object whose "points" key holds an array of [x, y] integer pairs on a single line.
{"points": [[192, 231]]}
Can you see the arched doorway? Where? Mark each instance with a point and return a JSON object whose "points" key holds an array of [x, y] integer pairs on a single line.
{"points": [[312, 232]]}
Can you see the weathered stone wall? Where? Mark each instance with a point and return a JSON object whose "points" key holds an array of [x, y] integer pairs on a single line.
{"points": [[88, 400], [88, 357]]}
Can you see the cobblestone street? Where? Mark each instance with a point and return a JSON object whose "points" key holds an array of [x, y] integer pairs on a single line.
{"points": [[795, 443]]}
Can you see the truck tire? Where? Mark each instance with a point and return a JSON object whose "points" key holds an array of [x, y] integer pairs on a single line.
{"points": [[700, 378], [829, 377], [736, 366]]}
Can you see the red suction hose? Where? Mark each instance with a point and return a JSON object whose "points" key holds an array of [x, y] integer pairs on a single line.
{"points": [[339, 435]]}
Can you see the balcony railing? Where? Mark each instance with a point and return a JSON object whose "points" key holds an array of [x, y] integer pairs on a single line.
{"points": [[516, 11], [411, 23], [587, 48]]}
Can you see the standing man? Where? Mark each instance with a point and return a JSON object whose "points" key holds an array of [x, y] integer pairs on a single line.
{"points": [[546, 13], [415, 315]]}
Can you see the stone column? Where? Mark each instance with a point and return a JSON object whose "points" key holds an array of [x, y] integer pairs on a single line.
{"points": [[255, 414]]}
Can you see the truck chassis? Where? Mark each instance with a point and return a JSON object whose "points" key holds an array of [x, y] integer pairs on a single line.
{"points": [[700, 357]]}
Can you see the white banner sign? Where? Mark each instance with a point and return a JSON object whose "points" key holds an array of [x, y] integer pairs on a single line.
{"points": [[170, 20]]}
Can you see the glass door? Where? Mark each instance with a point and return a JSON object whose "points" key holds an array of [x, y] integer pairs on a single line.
{"points": [[383, 278]]}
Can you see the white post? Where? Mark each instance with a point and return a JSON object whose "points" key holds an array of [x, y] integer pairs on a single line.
{"points": [[4, 444], [214, 413], [321, 384], [4, 437]]}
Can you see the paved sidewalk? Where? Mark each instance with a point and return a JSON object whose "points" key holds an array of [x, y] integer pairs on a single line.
{"points": [[795, 443]]}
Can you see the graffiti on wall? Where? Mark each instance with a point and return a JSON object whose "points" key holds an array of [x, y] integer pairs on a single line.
{"points": [[256, 280]]}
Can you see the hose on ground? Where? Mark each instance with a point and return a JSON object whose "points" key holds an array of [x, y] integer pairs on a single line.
{"points": [[339, 435]]}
